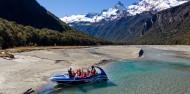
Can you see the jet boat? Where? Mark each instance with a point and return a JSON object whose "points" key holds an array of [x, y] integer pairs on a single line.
{"points": [[64, 79]]}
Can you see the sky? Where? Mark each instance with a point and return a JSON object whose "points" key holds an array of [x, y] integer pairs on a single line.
{"points": [[63, 8]]}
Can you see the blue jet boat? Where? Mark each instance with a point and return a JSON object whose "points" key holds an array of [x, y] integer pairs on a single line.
{"points": [[64, 79]]}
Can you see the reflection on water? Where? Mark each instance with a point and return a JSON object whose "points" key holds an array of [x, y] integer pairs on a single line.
{"points": [[180, 67], [78, 89], [82, 88], [157, 73]]}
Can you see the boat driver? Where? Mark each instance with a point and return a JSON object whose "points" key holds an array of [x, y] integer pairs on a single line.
{"points": [[70, 73], [93, 70]]}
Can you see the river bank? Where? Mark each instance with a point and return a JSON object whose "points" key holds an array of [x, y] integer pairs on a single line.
{"points": [[32, 69], [159, 71]]}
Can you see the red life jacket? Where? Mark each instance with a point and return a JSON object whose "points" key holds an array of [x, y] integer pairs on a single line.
{"points": [[82, 75], [77, 72], [88, 73], [73, 73]]}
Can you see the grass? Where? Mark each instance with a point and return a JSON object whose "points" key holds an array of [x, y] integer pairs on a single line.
{"points": [[33, 48], [6, 52]]}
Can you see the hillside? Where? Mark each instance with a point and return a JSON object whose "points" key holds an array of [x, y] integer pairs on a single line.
{"points": [[124, 29], [136, 24], [30, 13], [170, 26], [15, 35], [26, 23]]}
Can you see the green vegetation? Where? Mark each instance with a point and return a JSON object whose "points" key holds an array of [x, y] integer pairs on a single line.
{"points": [[15, 35], [27, 23], [171, 27], [181, 37], [33, 48], [30, 13]]}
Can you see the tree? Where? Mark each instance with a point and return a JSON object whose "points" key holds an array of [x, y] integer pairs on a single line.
{"points": [[1, 42]]}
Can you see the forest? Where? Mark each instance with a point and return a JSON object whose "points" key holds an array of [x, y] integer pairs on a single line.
{"points": [[15, 35]]}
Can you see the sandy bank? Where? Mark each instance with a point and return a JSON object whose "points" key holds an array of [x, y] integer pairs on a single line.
{"points": [[182, 51], [31, 69]]}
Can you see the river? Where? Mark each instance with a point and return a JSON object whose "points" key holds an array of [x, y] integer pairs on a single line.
{"points": [[157, 73]]}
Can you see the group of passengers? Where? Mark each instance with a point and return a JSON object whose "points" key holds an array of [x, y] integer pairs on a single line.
{"points": [[81, 74]]}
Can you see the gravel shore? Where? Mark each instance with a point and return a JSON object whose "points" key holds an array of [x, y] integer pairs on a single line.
{"points": [[32, 69]]}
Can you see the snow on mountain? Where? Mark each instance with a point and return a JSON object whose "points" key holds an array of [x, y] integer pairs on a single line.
{"points": [[77, 18], [119, 9], [152, 5], [110, 14]]}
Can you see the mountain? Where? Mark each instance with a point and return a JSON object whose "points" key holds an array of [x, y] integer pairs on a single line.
{"points": [[30, 13], [121, 30], [170, 26], [26, 23], [105, 15], [119, 10], [141, 27], [153, 5]]}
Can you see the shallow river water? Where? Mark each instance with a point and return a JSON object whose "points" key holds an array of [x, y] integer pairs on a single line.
{"points": [[156, 73]]}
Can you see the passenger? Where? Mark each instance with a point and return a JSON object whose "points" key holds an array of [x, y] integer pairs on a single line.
{"points": [[70, 73], [76, 72], [93, 71], [83, 74], [79, 73], [88, 72], [73, 74]]}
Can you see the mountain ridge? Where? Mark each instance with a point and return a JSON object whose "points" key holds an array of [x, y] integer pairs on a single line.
{"points": [[30, 13], [136, 8], [153, 5], [105, 15], [145, 28], [128, 26]]}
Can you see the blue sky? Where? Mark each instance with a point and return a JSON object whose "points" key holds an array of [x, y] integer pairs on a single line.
{"points": [[62, 8]]}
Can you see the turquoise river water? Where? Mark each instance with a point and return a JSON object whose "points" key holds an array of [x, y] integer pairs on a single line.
{"points": [[156, 73]]}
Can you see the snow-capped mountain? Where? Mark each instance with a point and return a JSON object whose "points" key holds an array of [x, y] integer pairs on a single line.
{"points": [[109, 14], [119, 10], [153, 5]]}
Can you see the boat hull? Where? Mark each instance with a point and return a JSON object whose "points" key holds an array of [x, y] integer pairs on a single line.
{"points": [[64, 79], [76, 81]]}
